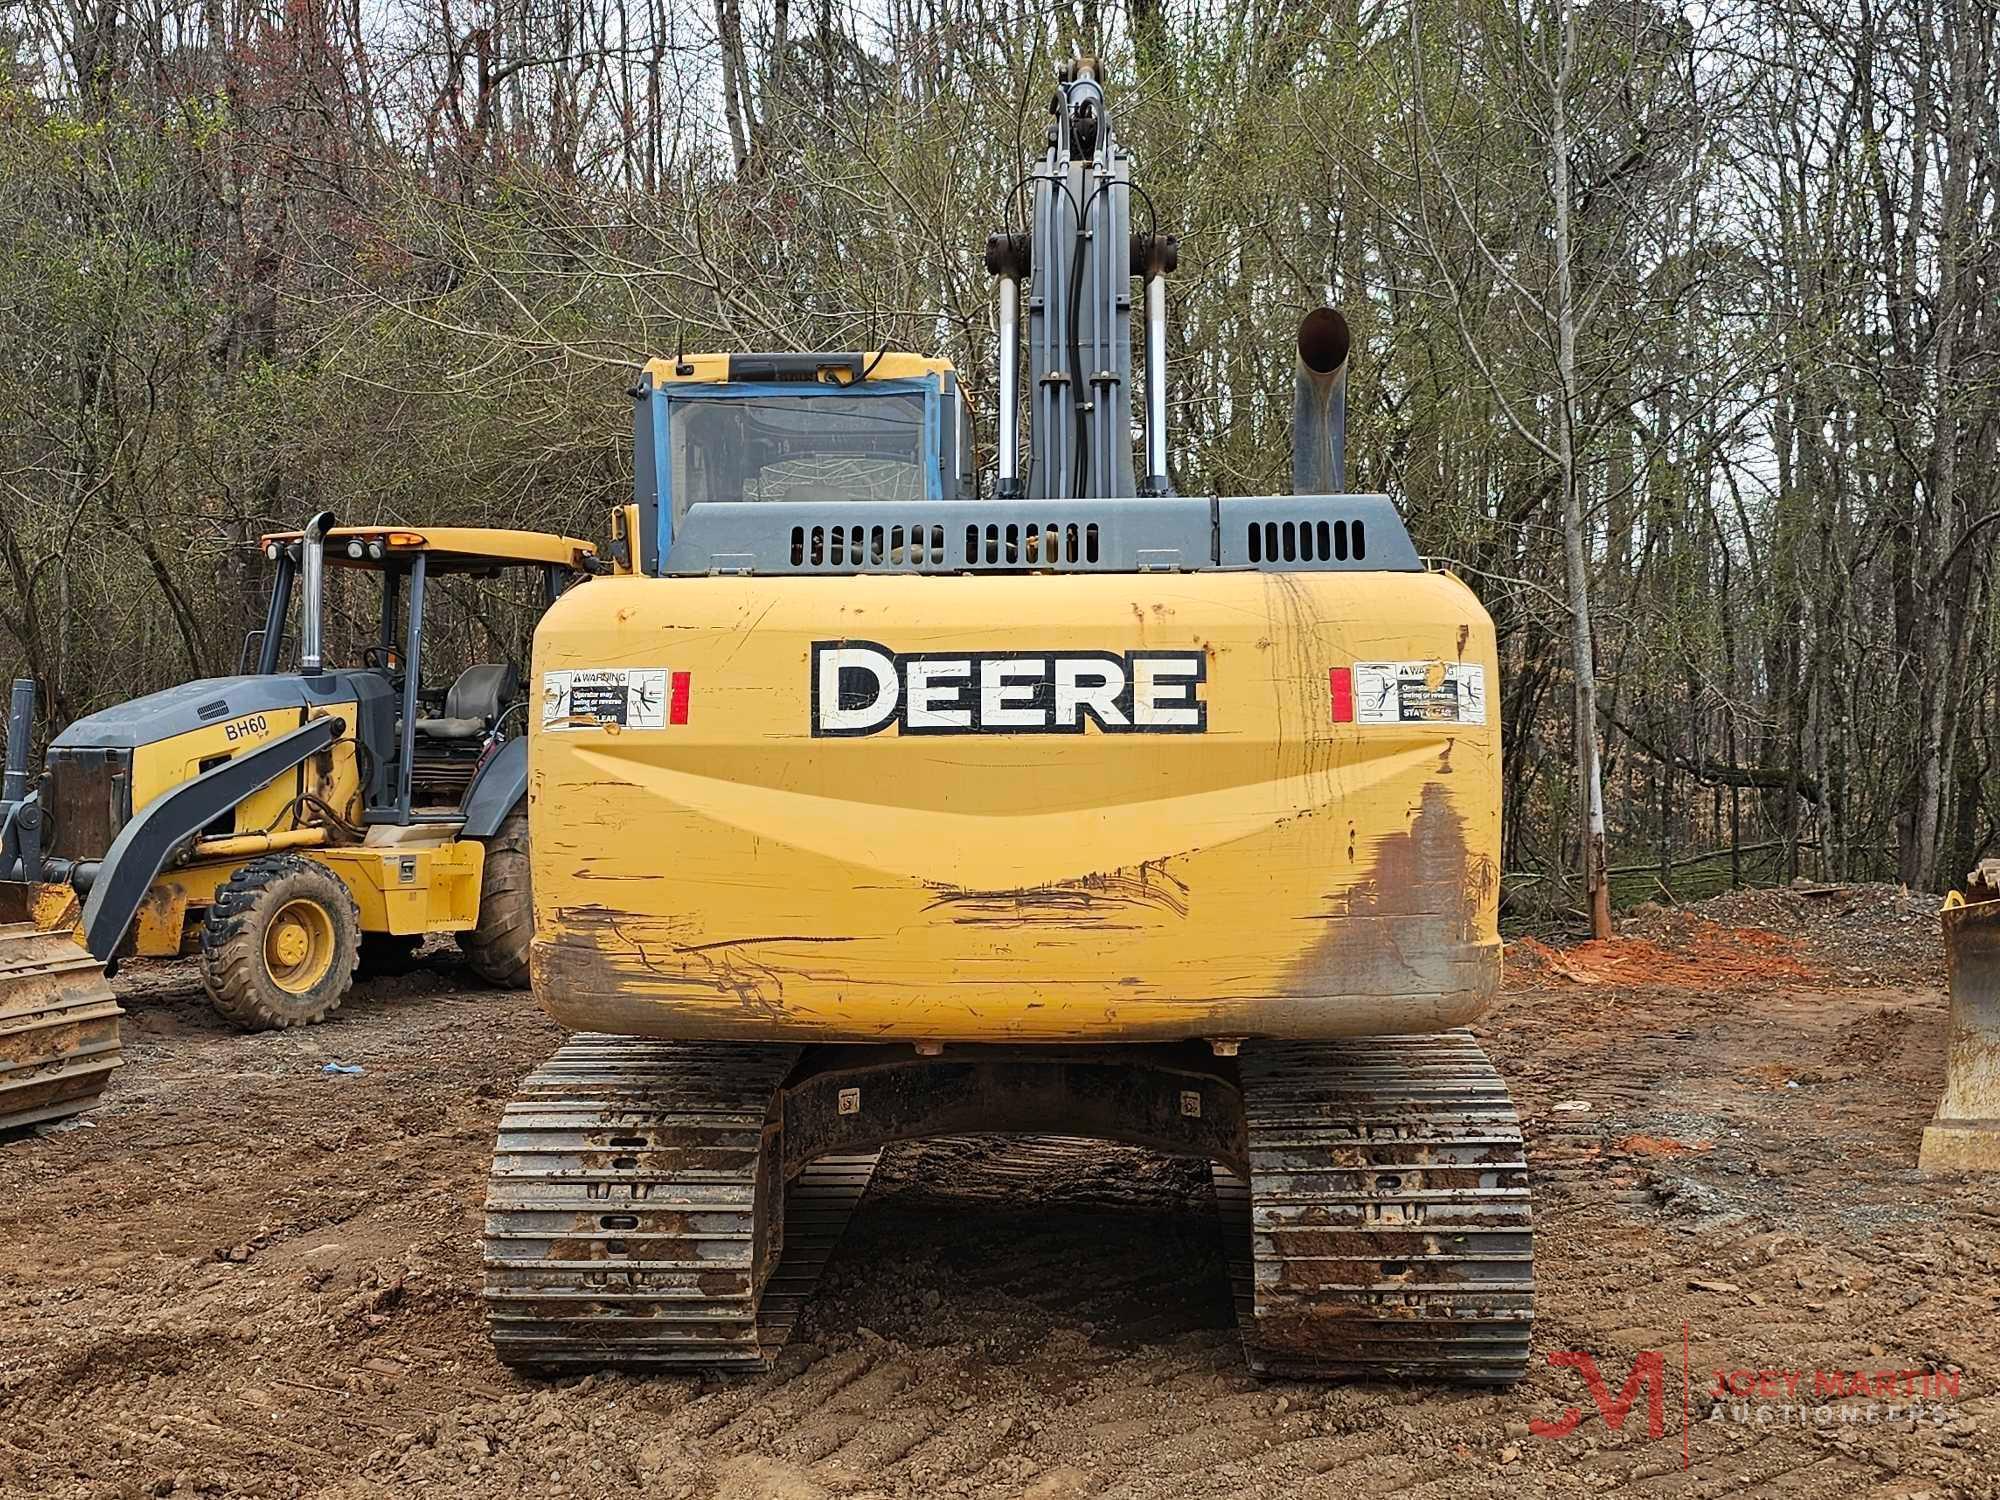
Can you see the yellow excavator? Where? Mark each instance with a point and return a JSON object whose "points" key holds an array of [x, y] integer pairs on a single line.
{"points": [[867, 809], [288, 825]]}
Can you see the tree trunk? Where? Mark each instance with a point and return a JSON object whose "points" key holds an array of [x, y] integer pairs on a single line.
{"points": [[1576, 567]]}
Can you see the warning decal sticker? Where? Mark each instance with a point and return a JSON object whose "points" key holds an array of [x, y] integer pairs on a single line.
{"points": [[631, 697], [1419, 692]]}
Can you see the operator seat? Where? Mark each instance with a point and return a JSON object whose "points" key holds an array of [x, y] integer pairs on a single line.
{"points": [[474, 703]]}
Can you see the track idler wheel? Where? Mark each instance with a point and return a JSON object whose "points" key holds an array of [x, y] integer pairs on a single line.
{"points": [[1965, 1136]]}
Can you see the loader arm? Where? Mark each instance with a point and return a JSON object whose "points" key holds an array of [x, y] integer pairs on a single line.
{"points": [[149, 840]]}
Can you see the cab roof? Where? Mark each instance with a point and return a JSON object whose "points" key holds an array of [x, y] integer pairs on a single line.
{"points": [[449, 549], [845, 368]]}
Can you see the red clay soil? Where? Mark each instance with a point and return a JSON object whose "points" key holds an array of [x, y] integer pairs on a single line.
{"points": [[1710, 956]]}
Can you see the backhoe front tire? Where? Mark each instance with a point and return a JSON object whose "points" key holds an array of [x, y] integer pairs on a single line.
{"points": [[497, 947], [279, 944]]}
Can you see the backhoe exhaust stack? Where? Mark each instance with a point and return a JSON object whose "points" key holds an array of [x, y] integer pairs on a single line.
{"points": [[1319, 405], [312, 571]]}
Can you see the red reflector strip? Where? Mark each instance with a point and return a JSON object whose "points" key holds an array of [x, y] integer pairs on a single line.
{"points": [[1340, 682], [677, 707]]}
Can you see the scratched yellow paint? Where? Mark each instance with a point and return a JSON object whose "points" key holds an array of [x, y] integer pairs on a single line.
{"points": [[334, 777], [1275, 875]]}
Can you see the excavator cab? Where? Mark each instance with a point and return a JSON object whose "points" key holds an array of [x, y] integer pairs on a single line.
{"points": [[799, 429]]}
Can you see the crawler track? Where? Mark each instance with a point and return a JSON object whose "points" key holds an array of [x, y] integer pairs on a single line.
{"points": [[58, 1027], [628, 1216], [1384, 1231]]}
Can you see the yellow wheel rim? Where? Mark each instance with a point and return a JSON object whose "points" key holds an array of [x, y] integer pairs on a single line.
{"points": [[298, 946]]}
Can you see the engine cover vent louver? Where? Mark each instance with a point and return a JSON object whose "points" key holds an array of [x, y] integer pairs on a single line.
{"points": [[1273, 533], [1307, 541], [855, 548], [1052, 544], [1316, 533]]}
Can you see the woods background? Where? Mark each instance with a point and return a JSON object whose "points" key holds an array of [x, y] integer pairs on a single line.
{"points": [[1719, 290]]}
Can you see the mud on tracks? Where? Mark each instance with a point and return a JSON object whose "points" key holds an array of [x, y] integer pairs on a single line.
{"points": [[250, 1277]]}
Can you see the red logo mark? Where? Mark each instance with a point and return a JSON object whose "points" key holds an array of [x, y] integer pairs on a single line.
{"points": [[1649, 1374]]}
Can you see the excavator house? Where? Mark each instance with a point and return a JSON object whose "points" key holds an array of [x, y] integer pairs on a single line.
{"points": [[865, 809]]}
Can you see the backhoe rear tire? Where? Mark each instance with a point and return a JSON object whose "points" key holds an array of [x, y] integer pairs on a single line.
{"points": [[279, 944], [497, 947]]}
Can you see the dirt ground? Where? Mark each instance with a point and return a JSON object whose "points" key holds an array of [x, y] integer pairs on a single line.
{"points": [[248, 1276]]}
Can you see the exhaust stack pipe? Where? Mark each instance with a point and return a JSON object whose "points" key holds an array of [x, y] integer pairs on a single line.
{"points": [[1319, 406], [312, 571]]}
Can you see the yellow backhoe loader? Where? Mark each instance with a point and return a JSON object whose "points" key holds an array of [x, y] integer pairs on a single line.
{"points": [[866, 809], [287, 825]]}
